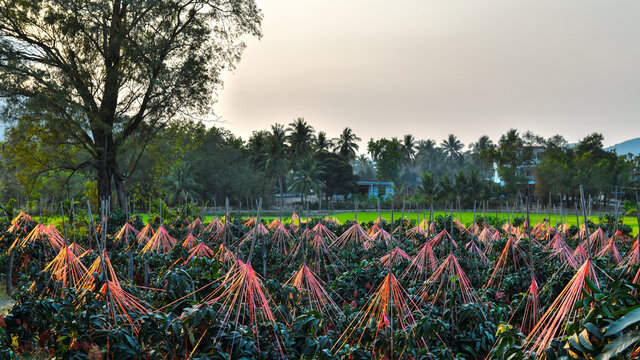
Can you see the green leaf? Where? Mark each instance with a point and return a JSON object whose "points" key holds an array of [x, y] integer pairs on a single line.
{"points": [[575, 343], [625, 311], [551, 354], [619, 345], [622, 323], [593, 330], [593, 287], [585, 341]]}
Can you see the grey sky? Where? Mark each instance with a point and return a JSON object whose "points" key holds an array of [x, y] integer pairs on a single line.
{"points": [[431, 68]]}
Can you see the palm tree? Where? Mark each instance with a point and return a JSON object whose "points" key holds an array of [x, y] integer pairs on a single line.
{"points": [[306, 178], [180, 184], [257, 145], [426, 146], [300, 138], [483, 143], [475, 185], [322, 143], [362, 161], [408, 148], [445, 185], [276, 164], [460, 184], [429, 187], [426, 155], [364, 168], [451, 147], [481, 153], [346, 144]]}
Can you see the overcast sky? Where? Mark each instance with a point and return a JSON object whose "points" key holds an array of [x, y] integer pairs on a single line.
{"points": [[430, 68]]}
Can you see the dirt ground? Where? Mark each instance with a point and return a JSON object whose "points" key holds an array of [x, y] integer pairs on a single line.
{"points": [[5, 300]]}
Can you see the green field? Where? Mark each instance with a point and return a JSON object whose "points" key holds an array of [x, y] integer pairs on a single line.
{"points": [[466, 217]]}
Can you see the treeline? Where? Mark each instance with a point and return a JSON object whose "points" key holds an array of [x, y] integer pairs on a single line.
{"points": [[187, 162], [184, 162]]}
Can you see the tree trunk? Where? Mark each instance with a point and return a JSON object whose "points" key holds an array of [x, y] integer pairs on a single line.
{"points": [[103, 176], [107, 168], [281, 191], [118, 181], [102, 124]]}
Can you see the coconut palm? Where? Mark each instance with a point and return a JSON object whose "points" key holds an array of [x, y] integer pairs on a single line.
{"points": [[364, 168], [429, 187], [362, 161], [322, 143], [452, 147], [346, 144], [276, 164], [408, 148], [460, 184], [180, 184], [257, 145], [306, 178], [300, 137], [446, 186], [483, 143], [480, 151], [426, 146], [474, 184], [427, 155]]}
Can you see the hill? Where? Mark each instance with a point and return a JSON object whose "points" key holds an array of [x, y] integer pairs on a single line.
{"points": [[625, 147]]}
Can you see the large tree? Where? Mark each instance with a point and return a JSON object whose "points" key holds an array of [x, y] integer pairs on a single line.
{"points": [[387, 155], [221, 168], [513, 156], [337, 174], [106, 72]]}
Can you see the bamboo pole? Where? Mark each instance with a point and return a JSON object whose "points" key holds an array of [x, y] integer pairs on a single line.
{"points": [[64, 226], [584, 215], [226, 215], [577, 217], [389, 284], [531, 263], [451, 224]]}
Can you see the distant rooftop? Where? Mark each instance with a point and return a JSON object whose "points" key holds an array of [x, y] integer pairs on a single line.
{"points": [[375, 183]]}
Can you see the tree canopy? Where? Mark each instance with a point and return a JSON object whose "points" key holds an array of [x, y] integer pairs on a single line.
{"points": [[100, 74]]}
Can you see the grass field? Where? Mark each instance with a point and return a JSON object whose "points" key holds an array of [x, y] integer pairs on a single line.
{"points": [[466, 217]]}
